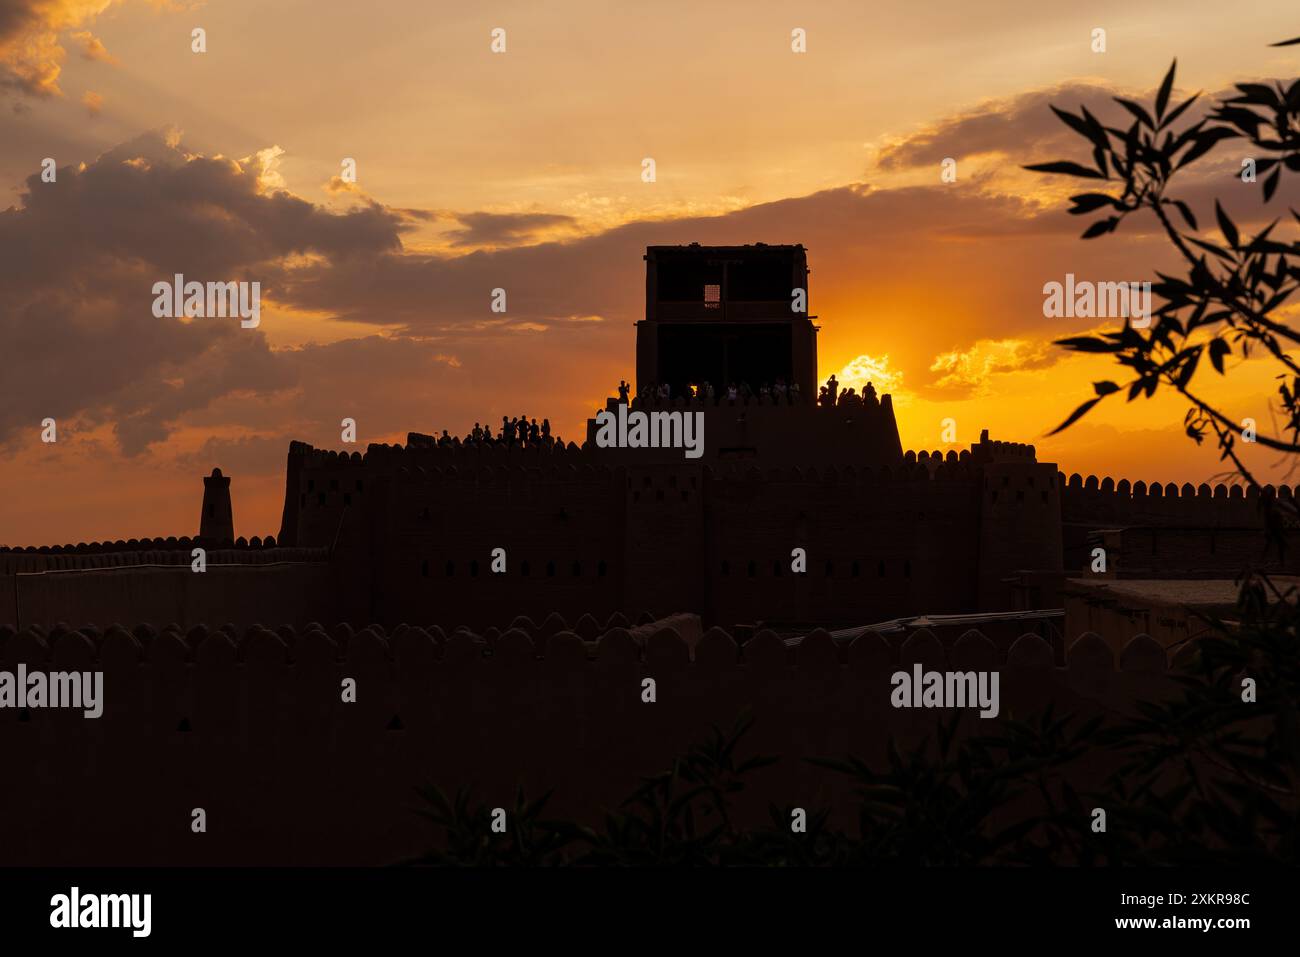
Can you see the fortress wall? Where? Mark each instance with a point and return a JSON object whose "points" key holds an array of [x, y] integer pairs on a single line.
{"points": [[664, 512], [1105, 502], [329, 482], [240, 592], [1020, 525], [783, 434], [878, 544], [414, 528], [146, 579], [560, 526], [156, 551], [250, 727], [1170, 531], [682, 537], [804, 434], [947, 538], [675, 536], [1165, 552]]}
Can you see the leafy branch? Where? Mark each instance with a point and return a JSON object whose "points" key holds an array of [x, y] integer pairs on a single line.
{"points": [[1227, 302]]}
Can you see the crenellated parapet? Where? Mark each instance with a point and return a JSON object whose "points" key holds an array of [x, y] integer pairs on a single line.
{"points": [[496, 464], [152, 552], [170, 546], [1099, 501]]}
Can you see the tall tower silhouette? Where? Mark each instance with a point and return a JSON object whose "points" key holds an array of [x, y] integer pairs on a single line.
{"points": [[217, 521], [726, 314]]}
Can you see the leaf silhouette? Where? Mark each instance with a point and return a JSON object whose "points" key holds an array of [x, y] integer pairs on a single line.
{"points": [[1226, 226], [1162, 98], [1066, 167], [1076, 415]]}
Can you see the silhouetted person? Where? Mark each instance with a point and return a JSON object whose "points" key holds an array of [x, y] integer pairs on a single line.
{"points": [[832, 389], [624, 390]]}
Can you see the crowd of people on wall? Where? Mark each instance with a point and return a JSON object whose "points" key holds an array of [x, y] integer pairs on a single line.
{"points": [[522, 431], [779, 393], [830, 395], [519, 430]]}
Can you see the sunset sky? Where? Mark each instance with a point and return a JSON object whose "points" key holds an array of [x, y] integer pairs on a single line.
{"points": [[522, 170]]}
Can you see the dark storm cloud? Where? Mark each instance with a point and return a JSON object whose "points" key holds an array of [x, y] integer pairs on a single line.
{"points": [[78, 260]]}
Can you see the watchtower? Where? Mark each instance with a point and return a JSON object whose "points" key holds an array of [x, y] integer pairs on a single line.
{"points": [[725, 314]]}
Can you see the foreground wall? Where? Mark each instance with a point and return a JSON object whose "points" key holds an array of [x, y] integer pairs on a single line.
{"points": [[252, 729]]}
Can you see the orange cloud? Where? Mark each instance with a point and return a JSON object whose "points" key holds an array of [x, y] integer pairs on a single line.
{"points": [[31, 47], [969, 370], [337, 184], [92, 48], [869, 369]]}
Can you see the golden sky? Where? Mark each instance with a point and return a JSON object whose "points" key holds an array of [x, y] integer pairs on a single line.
{"points": [[522, 170]]}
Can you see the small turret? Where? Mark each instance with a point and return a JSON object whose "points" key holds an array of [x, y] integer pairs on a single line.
{"points": [[217, 521]]}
